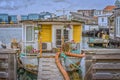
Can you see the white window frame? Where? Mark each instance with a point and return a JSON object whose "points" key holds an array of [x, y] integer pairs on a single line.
{"points": [[117, 26], [32, 33]]}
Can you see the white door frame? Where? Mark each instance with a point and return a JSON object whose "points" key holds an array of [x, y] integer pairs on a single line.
{"points": [[54, 27]]}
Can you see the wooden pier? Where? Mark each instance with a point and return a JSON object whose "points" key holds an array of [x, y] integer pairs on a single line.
{"points": [[102, 65], [48, 69]]}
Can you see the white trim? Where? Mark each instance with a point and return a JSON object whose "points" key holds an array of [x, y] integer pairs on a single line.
{"points": [[54, 27], [22, 35], [71, 33], [32, 32], [25, 42], [53, 37], [117, 26]]}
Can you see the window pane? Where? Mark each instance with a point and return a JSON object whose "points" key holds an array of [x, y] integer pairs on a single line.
{"points": [[119, 27], [58, 31], [116, 26], [58, 37], [66, 38], [29, 33], [102, 19], [58, 42], [65, 32]]}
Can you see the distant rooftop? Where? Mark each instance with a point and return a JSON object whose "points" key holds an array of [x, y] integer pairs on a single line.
{"points": [[109, 8]]}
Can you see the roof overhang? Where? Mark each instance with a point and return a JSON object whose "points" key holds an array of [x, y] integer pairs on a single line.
{"points": [[72, 22]]}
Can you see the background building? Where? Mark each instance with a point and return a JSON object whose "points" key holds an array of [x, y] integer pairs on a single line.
{"points": [[33, 16], [98, 12], [103, 21], [114, 25], [89, 13], [117, 3], [24, 17], [13, 19], [4, 18], [108, 9]]}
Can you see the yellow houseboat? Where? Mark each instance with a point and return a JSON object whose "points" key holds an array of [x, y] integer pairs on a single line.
{"points": [[50, 33]]}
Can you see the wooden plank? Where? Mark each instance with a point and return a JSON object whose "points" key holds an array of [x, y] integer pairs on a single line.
{"points": [[97, 42], [3, 75], [107, 56], [48, 70], [106, 76], [106, 66], [7, 51], [108, 51]]}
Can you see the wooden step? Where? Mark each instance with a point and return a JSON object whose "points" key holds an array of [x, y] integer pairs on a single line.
{"points": [[106, 76], [48, 70], [106, 57], [106, 66]]}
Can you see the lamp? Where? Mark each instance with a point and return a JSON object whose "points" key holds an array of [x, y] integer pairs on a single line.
{"points": [[67, 26]]}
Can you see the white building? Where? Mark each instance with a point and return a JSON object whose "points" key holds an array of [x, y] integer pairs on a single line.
{"points": [[98, 12], [103, 20]]}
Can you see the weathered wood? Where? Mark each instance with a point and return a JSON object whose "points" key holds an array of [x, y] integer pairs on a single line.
{"points": [[100, 51], [107, 56], [48, 70], [8, 64], [106, 76], [106, 66], [7, 51]]}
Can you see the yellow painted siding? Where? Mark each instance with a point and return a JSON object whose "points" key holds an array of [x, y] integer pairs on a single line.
{"points": [[77, 33], [46, 33]]}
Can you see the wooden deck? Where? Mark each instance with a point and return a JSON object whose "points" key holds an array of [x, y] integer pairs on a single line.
{"points": [[48, 69], [103, 65]]}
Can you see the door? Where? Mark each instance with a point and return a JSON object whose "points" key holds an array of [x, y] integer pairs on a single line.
{"points": [[59, 34]]}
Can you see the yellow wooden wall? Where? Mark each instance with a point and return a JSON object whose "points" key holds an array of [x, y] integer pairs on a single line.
{"points": [[46, 33], [77, 33]]}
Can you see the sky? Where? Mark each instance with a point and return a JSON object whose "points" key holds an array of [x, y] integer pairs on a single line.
{"points": [[20, 7]]}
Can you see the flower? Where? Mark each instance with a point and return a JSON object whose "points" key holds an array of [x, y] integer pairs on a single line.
{"points": [[35, 51]]}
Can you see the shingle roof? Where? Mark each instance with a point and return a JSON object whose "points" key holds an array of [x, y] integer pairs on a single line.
{"points": [[109, 8]]}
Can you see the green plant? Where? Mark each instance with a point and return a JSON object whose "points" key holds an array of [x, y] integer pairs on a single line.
{"points": [[29, 48]]}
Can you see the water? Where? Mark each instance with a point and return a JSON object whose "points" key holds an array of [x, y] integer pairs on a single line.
{"points": [[7, 34], [84, 43]]}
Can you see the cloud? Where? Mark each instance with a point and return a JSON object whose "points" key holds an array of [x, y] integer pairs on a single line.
{"points": [[73, 5], [70, 4], [15, 4], [58, 0]]}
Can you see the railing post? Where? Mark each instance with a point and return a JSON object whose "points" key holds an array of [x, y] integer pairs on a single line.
{"points": [[40, 46]]}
